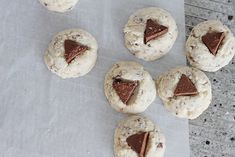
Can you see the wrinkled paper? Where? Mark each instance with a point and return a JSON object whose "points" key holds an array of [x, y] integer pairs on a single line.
{"points": [[42, 115]]}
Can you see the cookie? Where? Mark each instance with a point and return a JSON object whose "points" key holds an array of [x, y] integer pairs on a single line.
{"points": [[71, 53], [59, 5], [150, 33], [129, 88], [185, 92], [137, 136], [210, 46]]}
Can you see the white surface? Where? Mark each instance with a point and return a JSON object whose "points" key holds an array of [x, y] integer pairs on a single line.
{"points": [[42, 115]]}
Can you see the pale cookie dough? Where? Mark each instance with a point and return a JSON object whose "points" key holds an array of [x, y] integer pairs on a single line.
{"points": [[199, 55], [59, 5], [144, 94], [156, 143], [134, 34], [55, 55], [185, 106]]}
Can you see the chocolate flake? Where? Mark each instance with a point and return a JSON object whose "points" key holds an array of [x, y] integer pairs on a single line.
{"points": [[153, 30], [160, 145], [124, 88], [138, 142], [73, 49], [213, 40], [185, 87]]}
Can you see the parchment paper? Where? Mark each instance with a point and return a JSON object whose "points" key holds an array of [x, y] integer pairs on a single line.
{"points": [[42, 115]]}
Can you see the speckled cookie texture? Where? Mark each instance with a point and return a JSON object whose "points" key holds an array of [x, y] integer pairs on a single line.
{"points": [[135, 124], [59, 5], [185, 106], [55, 54], [198, 53], [135, 29], [143, 95]]}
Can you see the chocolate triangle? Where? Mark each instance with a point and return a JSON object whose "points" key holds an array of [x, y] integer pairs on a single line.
{"points": [[185, 87], [153, 30], [213, 40], [73, 49], [124, 89], [138, 142]]}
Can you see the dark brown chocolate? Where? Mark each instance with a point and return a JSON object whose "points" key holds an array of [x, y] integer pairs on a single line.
{"points": [[185, 87], [73, 49], [153, 30], [160, 145], [213, 40], [138, 142], [124, 88]]}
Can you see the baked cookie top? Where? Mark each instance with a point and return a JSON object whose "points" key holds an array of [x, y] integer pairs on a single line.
{"points": [[129, 88], [150, 33], [185, 91], [210, 46]]}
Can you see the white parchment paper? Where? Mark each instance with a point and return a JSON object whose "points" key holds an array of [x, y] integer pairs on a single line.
{"points": [[42, 115]]}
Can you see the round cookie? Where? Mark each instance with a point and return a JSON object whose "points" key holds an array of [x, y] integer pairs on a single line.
{"points": [[137, 136], [59, 5], [129, 88], [71, 53], [206, 53], [150, 33], [185, 91]]}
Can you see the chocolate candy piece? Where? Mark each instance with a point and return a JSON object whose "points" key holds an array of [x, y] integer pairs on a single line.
{"points": [[124, 88], [138, 142], [153, 30], [213, 40], [73, 49], [185, 87]]}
